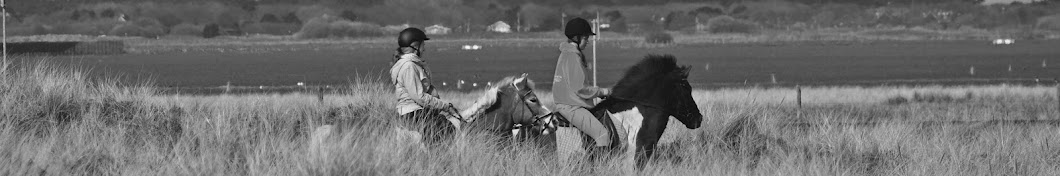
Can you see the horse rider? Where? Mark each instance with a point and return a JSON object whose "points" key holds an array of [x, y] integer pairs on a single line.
{"points": [[572, 91], [417, 102]]}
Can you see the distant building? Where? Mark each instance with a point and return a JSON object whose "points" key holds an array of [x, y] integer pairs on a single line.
{"points": [[437, 30], [604, 24], [499, 26]]}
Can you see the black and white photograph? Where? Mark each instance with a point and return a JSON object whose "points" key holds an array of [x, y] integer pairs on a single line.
{"points": [[530, 87]]}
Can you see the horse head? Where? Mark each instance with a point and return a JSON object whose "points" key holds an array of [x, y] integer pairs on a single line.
{"points": [[511, 103], [684, 108], [658, 81]]}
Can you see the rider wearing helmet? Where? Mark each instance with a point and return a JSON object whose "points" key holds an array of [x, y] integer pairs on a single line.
{"points": [[571, 90], [417, 103]]}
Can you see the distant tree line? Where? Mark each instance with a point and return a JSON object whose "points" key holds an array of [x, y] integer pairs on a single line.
{"points": [[353, 17]]}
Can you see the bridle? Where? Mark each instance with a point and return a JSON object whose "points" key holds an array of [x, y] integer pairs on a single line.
{"points": [[541, 122]]}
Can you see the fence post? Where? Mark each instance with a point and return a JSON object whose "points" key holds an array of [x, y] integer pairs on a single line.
{"points": [[798, 101], [773, 76], [320, 94], [228, 87], [798, 93]]}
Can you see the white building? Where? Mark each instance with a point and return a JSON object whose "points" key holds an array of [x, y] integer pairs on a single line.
{"points": [[437, 30], [499, 26]]}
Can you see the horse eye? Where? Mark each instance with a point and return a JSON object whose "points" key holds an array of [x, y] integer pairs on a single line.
{"points": [[534, 100]]}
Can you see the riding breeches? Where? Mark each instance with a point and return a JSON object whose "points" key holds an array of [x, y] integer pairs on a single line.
{"points": [[584, 120], [432, 123]]}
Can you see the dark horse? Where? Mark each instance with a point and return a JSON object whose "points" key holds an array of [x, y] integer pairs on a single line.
{"points": [[510, 104], [642, 102]]}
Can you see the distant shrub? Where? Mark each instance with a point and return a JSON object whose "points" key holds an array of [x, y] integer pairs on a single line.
{"points": [[659, 38], [146, 22], [130, 29], [1051, 22], [291, 18], [270, 18], [26, 30], [108, 13], [727, 24], [271, 28], [896, 100], [211, 30], [929, 97], [186, 29], [228, 19], [330, 26], [306, 13], [74, 28]]}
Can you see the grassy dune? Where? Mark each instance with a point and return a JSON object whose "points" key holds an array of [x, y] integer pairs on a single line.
{"points": [[58, 122]]}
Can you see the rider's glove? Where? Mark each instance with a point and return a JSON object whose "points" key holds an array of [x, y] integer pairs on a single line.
{"points": [[593, 92]]}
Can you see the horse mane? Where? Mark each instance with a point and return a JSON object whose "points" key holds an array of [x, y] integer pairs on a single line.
{"points": [[490, 97], [644, 76]]}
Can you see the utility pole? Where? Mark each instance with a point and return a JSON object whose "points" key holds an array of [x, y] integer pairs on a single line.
{"points": [[3, 5], [562, 21], [596, 29]]}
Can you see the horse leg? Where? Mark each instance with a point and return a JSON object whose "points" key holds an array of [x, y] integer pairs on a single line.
{"points": [[647, 138]]}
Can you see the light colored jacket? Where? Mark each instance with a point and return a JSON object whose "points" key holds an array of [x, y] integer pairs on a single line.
{"points": [[412, 85], [570, 86]]}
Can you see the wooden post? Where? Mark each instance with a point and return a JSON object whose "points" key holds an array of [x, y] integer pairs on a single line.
{"points": [[971, 70], [798, 99], [320, 94], [773, 76], [798, 93], [228, 87]]}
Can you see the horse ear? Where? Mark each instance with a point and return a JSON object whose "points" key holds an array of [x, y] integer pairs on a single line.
{"points": [[519, 82], [684, 70]]}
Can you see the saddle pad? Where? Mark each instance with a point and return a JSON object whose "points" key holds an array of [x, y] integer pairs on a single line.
{"points": [[568, 143]]}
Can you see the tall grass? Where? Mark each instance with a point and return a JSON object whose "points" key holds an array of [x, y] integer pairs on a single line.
{"points": [[57, 121]]}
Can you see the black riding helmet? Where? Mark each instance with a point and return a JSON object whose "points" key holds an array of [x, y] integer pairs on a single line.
{"points": [[577, 27], [411, 35]]}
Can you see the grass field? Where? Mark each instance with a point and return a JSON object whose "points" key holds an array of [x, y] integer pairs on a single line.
{"points": [[56, 121]]}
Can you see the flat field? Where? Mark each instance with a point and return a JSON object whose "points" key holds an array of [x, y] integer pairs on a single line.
{"points": [[54, 121], [250, 64]]}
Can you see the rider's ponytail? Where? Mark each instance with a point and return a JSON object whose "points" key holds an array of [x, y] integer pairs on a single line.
{"points": [[404, 50]]}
